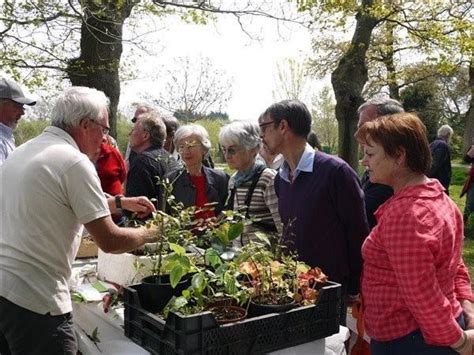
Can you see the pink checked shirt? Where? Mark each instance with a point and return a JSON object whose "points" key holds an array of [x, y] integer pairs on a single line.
{"points": [[413, 273]]}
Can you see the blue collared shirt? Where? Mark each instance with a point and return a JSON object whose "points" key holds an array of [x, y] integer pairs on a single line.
{"points": [[305, 164], [7, 142]]}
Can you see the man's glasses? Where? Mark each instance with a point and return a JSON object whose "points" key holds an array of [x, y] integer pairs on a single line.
{"points": [[230, 150], [105, 129], [263, 125]]}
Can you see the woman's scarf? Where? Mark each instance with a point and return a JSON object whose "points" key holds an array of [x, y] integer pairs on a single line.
{"points": [[241, 177]]}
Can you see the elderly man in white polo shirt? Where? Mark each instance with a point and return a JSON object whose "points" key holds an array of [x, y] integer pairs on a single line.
{"points": [[12, 100], [49, 190]]}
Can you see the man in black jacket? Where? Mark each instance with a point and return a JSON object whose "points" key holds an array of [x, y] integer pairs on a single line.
{"points": [[441, 157], [151, 162], [375, 194]]}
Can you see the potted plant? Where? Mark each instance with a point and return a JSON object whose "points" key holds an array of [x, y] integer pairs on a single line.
{"points": [[277, 279], [171, 265], [215, 287]]}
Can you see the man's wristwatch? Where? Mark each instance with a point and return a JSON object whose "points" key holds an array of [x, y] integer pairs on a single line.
{"points": [[118, 202]]}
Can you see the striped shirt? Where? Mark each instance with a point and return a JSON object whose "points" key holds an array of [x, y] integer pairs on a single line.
{"points": [[263, 203]]}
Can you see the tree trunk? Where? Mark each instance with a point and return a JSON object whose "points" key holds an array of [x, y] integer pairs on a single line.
{"points": [[389, 62], [469, 128], [101, 50], [348, 80]]}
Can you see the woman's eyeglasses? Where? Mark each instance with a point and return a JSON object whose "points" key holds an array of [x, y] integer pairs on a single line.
{"points": [[188, 145], [230, 150]]}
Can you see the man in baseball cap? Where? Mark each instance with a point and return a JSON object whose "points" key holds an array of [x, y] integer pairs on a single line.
{"points": [[12, 100]]}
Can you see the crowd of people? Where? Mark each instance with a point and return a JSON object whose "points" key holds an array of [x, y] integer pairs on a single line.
{"points": [[393, 238]]}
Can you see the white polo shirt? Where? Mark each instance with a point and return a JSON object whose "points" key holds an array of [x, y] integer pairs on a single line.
{"points": [[48, 189]]}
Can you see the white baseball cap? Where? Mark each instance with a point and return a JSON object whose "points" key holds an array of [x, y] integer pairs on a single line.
{"points": [[11, 90]]}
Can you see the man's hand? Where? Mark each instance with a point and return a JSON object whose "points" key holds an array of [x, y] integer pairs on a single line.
{"points": [[468, 312], [141, 205], [465, 345]]}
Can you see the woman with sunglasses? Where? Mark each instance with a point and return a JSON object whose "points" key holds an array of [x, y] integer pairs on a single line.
{"points": [[251, 188], [196, 184]]}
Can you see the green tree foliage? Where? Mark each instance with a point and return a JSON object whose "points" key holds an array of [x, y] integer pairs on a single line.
{"points": [[291, 80], [29, 129], [324, 120], [124, 127], [213, 127], [398, 32], [420, 98], [191, 117]]}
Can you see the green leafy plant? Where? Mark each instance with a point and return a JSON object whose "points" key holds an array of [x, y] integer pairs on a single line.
{"points": [[209, 287], [272, 270]]}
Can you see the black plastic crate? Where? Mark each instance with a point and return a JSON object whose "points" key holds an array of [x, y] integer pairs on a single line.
{"points": [[200, 334]]}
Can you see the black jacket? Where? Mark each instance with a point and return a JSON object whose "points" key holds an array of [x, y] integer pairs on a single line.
{"points": [[441, 164], [374, 196], [144, 173], [185, 192]]}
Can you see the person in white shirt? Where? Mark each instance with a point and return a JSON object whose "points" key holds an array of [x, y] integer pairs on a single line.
{"points": [[50, 189], [12, 100]]}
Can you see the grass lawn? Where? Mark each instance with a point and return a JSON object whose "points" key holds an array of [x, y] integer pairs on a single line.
{"points": [[469, 256], [457, 181]]}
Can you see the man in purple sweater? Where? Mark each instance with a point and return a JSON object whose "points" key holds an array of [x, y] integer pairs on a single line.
{"points": [[319, 196]]}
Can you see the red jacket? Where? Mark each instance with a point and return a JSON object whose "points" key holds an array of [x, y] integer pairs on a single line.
{"points": [[111, 169]]}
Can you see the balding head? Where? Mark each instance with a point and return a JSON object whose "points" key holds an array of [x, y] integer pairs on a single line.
{"points": [[377, 107]]}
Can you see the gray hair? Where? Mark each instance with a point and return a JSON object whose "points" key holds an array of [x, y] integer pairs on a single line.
{"points": [[445, 131], [152, 123], [383, 105], [193, 129], [172, 124], [77, 103], [243, 133], [144, 107]]}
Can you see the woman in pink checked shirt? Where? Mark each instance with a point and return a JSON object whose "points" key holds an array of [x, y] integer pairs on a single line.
{"points": [[413, 275]]}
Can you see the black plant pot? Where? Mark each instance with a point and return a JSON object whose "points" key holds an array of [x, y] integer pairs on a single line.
{"points": [[156, 291], [228, 314], [260, 309]]}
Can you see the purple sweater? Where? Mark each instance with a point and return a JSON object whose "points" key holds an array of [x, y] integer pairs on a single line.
{"points": [[329, 220]]}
